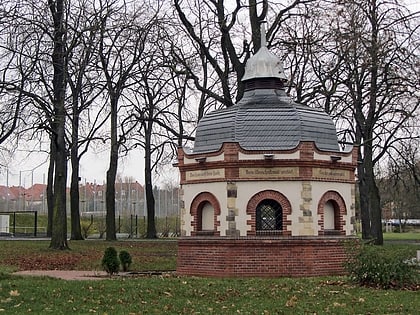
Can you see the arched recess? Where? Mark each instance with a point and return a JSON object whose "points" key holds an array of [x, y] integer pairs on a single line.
{"points": [[208, 203], [257, 199], [331, 204]]}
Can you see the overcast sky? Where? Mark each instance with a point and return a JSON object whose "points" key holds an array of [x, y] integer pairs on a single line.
{"points": [[93, 167], [25, 170]]}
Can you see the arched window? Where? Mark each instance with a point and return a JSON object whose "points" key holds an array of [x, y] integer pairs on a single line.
{"points": [[207, 217], [269, 216], [268, 211], [205, 209], [329, 216], [331, 211]]}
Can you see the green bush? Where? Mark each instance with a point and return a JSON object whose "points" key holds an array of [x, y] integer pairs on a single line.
{"points": [[110, 261], [382, 267], [125, 259]]}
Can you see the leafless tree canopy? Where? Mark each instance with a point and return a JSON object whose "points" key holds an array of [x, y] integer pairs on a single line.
{"points": [[118, 76]]}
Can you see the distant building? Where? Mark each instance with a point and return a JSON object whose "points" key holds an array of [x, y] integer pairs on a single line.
{"points": [[128, 198]]}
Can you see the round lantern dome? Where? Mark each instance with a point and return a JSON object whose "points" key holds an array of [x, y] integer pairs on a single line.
{"points": [[265, 118], [264, 64]]}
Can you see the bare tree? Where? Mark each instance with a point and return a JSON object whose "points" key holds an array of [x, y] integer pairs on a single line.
{"points": [[10, 111], [160, 107], [213, 28], [153, 111], [376, 42], [123, 32], [83, 79], [349, 58], [32, 33], [59, 229], [16, 77], [399, 183]]}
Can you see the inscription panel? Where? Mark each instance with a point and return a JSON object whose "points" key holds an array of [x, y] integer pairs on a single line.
{"points": [[330, 173], [206, 174], [273, 172]]}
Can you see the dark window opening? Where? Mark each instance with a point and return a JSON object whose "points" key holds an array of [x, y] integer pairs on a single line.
{"points": [[269, 216]]}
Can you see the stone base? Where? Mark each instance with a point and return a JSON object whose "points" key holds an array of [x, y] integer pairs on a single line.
{"points": [[262, 256]]}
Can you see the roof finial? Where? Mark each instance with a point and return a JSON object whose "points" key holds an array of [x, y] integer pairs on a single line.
{"points": [[264, 64], [263, 34]]}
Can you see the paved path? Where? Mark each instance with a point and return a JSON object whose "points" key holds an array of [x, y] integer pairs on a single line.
{"points": [[90, 275], [66, 274]]}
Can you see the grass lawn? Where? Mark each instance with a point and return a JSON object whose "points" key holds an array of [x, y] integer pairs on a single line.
{"points": [[410, 236], [172, 294], [86, 255]]}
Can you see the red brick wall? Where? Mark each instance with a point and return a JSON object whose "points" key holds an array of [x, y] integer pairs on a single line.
{"points": [[262, 257]]}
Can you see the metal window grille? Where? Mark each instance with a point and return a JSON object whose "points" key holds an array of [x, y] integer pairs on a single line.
{"points": [[269, 215]]}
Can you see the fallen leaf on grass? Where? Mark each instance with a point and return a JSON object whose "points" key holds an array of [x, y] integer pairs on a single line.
{"points": [[336, 304], [14, 293], [292, 301]]}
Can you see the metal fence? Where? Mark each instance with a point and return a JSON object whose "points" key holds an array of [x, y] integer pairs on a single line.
{"points": [[32, 224]]}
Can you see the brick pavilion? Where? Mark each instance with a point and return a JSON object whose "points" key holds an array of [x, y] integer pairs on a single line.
{"points": [[266, 190]]}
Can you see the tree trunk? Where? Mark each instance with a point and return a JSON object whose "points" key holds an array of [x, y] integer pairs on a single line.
{"points": [[374, 201], [50, 189], [76, 230], [59, 226], [150, 200], [364, 203], [364, 197], [374, 198], [111, 175]]}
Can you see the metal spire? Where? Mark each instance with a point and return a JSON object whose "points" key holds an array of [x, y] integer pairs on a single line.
{"points": [[263, 34]]}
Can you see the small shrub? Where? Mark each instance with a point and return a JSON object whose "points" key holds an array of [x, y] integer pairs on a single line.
{"points": [[110, 261], [125, 259], [381, 267]]}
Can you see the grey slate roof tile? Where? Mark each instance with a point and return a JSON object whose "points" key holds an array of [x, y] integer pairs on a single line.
{"points": [[266, 119]]}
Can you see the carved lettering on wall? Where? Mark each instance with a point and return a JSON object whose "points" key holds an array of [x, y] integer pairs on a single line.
{"points": [[205, 174], [273, 172], [330, 173]]}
